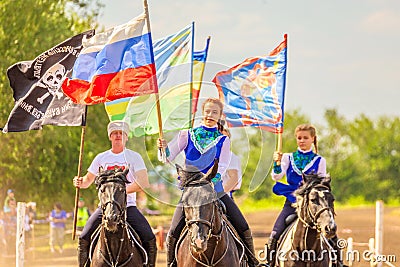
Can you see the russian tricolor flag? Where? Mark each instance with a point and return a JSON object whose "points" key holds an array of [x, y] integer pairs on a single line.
{"points": [[114, 64]]}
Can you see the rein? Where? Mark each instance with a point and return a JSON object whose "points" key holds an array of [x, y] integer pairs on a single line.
{"points": [[314, 225], [218, 237], [202, 221], [313, 217], [122, 212], [110, 261]]}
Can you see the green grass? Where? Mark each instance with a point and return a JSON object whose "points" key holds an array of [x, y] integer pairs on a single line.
{"points": [[248, 205]]}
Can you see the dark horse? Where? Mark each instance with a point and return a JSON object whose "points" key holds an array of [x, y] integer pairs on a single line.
{"points": [[306, 242], [116, 243], [207, 239]]}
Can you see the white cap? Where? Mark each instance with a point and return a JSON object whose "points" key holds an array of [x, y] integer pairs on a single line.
{"points": [[118, 126]]}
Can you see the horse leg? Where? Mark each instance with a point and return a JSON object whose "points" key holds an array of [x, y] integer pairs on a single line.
{"points": [[151, 249], [83, 252]]}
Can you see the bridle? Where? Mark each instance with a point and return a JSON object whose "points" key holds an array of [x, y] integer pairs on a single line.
{"points": [[313, 216], [209, 224], [217, 235], [111, 201], [121, 220]]}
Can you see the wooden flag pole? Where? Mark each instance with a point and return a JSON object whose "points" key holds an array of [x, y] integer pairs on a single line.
{"points": [[279, 146], [191, 80], [160, 130], [79, 173]]}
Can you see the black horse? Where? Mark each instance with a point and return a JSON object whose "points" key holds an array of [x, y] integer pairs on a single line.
{"points": [[117, 244], [207, 240], [306, 243]]}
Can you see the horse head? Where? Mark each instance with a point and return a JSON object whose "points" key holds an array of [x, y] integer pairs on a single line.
{"points": [[315, 206], [111, 187], [199, 205]]}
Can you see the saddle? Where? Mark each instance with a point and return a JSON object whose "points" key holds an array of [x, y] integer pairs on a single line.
{"points": [[289, 223]]}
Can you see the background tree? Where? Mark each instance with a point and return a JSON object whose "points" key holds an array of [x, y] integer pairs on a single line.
{"points": [[255, 142], [42, 160], [363, 156]]}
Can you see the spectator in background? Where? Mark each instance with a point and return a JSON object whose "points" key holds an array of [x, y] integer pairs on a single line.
{"points": [[31, 211], [10, 204], [82, 215], [57, 218]]}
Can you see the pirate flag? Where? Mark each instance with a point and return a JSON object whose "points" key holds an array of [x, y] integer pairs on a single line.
{"points": [[37, 92]]}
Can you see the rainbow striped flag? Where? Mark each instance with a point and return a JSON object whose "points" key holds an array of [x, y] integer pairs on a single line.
{"points": [[199, 64], [116, 109], [173, 60], [115, 64], [254, 90]]}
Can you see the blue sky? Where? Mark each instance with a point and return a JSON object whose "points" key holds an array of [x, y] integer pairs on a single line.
{"points": [[342, 54]]}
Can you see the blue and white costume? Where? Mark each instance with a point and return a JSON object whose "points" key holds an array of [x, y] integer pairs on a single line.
{"points": [[201, 146], [293, 165]]}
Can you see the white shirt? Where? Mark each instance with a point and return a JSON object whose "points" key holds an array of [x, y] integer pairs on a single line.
{"points": [[234, 164], [285, 161], [128, 158]]}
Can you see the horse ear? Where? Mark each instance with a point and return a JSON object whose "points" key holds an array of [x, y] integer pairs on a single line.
{"points": [[125, 173], [97, 181], [212, 171], [178, 168], [327, 181], [305, 177]]}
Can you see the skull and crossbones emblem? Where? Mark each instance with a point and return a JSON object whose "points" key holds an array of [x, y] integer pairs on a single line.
{"points": [[52, 80]]}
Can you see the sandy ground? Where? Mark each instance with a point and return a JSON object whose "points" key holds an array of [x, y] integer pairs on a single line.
{"points": [[358, 223]]}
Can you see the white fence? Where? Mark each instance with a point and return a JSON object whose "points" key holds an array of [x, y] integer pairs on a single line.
{"points": [[375, 244]]}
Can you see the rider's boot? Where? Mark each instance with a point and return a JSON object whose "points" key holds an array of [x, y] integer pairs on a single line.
{"points": [[247, 238], [171, 243], [83, 252], [151, 249], [339, 259], [271, 251]]}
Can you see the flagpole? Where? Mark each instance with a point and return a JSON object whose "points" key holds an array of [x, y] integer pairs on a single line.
{"points": [[79, 173], [160, 130], [279, 146], [191, 79]]}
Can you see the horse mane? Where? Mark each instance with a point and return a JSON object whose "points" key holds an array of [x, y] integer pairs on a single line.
{"points": [[115, 175], [190, 179], [311, 181], [197, 188]]}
